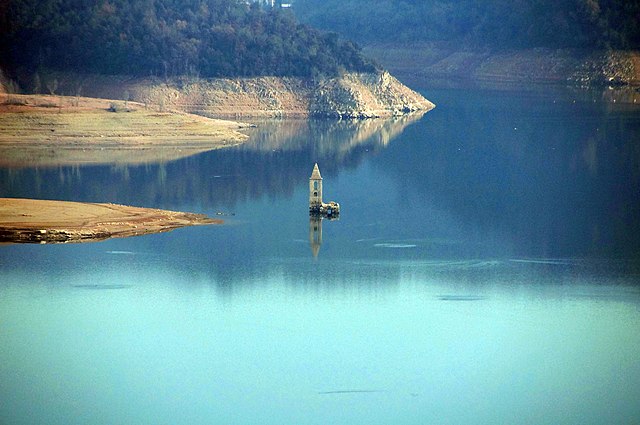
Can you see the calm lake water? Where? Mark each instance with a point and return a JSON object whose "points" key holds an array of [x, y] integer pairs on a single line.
{"points": [[485, 270]]}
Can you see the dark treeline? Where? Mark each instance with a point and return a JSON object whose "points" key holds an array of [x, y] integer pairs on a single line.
{"points": [[207, 38], [495, 24]]}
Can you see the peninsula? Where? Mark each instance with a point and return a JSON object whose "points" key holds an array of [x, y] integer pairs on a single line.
{"points": [[42, 221]]}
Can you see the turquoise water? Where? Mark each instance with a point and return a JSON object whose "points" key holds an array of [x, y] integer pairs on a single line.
{"points": [[484, 270]]}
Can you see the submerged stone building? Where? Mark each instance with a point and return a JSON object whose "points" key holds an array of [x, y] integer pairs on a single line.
{"points": [[318, 210], [316, 206]]}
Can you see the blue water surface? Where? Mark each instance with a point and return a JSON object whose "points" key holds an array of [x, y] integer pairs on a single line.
{"points": [[484, 270]]}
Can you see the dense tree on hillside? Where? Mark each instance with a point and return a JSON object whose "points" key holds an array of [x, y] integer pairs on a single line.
{"points": [[166, 38], [489, 23]]}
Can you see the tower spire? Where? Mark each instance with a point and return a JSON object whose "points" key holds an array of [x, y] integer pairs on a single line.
{"points": [[316, 205], [315, 174]]}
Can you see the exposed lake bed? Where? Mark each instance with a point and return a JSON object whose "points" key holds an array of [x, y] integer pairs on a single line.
{"points": [[49, 130], [42, 221]]}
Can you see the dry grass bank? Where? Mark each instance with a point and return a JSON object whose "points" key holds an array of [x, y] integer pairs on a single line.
{"points": [[59, 130]]}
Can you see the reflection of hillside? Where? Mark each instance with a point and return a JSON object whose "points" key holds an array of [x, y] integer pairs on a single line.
{"points": [[273, 163], [327, 137]]}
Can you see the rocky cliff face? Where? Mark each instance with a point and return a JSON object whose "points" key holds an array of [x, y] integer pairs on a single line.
{"points": [[348, 96], [365, 96]]}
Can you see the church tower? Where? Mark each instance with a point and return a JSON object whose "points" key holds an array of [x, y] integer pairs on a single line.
{"points": [[315, 188]]}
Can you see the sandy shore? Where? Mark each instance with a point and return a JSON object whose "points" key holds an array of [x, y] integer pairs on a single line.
{"points": [[44, 130], [41, 221]]}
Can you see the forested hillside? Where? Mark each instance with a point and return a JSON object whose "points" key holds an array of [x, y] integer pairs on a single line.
{"points": [[497, 24], [208, 38]]}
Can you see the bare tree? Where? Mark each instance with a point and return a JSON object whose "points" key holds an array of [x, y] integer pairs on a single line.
{"points": [[37, 84], [126, 100], [77, 90], [52, 86], [12, 89]]}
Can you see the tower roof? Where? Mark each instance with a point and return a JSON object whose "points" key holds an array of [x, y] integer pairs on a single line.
{"points": [[315, 174]]}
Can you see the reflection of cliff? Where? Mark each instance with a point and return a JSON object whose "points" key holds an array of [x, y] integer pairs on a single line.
{"points": [[279, 152]]}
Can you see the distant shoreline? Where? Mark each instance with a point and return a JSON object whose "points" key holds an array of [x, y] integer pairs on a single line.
{"points": [[442, 65]]}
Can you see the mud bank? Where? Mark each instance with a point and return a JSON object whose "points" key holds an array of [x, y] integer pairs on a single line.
{"points": [[42, 221]]}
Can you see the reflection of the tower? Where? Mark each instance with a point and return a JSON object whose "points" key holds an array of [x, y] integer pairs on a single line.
{"points": [[315, 234]]}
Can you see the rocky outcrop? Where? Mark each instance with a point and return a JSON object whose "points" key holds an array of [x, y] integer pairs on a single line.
{"points": [[352, 95], [238, 97], [366, 96]]}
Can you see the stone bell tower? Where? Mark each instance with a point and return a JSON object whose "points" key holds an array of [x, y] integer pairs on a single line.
{"points": [[315, 188]]}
